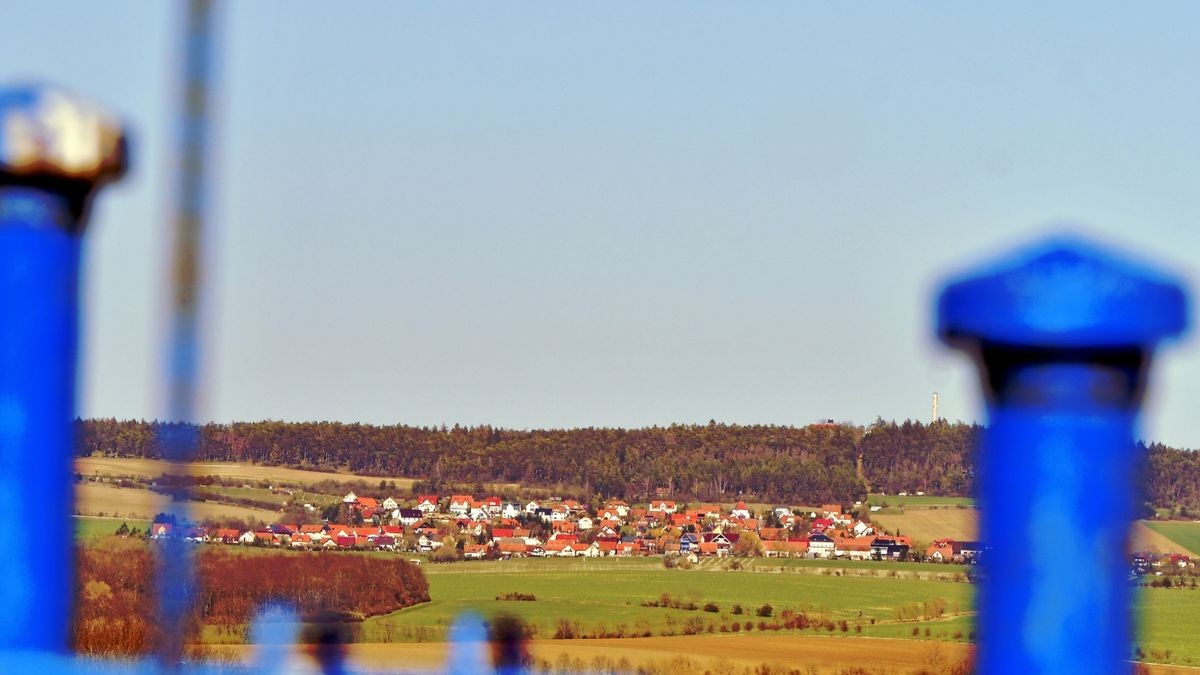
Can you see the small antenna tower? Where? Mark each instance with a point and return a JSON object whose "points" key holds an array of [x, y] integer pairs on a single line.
{"points": [[934, 412]]}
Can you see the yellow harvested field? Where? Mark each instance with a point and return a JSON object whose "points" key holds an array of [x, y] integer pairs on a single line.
{"points": [[122, 466], [694, 653], [827, 655], [927, 524], [135, 503], [708, 652]]}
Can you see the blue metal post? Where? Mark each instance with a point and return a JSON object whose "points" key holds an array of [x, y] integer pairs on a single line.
{"points": [[178, 444], [54, 152], [1062, 334]]}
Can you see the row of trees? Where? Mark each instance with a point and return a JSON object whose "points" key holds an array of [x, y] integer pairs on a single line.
{"points": [[115, 599], [813, 464]]}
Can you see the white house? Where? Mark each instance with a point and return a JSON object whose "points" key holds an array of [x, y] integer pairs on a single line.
{"points": [[407, 516], [427, 504], [664, 505], [247, 537], [532, 508], [854, 549], [621, 508], [427, 543], [584, 523], [740, 511], [460, 505], [862, 529], [510, 510], [820, 546], [389, 504], [568, 549]]}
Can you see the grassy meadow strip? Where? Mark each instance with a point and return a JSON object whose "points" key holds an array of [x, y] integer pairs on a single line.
{"points": [[1185, 534], [95, 529], [584, 598]]}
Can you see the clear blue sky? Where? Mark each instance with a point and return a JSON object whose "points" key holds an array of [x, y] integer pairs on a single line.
{"points": [[558, 214]]}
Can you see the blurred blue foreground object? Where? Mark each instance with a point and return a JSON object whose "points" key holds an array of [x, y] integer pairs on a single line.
{"points": [[55, 152], [1063, 335]]}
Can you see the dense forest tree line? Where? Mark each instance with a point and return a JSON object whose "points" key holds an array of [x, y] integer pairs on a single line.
{"points": [[115, 601], [813, 464]]}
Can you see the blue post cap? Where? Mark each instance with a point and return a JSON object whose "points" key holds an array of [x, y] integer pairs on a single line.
{"points": [[55, 140], [1063, 293]]}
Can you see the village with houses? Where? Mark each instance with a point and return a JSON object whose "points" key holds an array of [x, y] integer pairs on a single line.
{"points": [[491, 528]]}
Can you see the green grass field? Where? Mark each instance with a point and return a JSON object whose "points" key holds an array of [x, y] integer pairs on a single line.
{"points": [[951, 572], [600, 595], [1186, 534], [1167, 621], [604, 594], [893, 501], [91, 529], [265, 495]]}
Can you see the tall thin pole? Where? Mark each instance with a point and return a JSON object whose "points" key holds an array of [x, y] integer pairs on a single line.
{"points": [[180, 441]]}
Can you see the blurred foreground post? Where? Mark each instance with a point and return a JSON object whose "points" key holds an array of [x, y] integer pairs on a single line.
{"points": [[1062, 334], [55, 152], [179, 441]]}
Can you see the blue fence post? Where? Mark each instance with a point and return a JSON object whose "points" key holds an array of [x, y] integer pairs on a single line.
{"points": [[55, 151], [1062, 334]]}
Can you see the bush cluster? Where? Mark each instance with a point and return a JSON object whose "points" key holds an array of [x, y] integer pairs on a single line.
{"points": [[517, 597]]}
